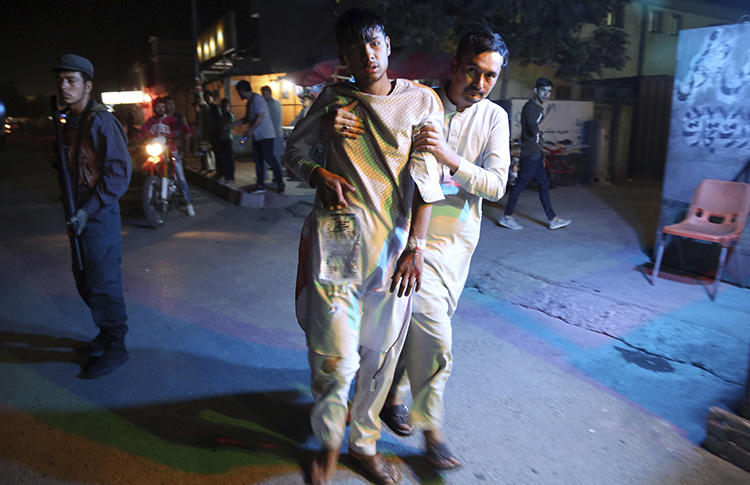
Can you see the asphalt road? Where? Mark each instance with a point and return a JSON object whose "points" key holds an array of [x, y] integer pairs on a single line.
{"points": [[569, 367]]}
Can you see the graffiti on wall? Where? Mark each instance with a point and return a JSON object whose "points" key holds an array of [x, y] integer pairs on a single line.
{"points": [[711, 94], [717, 126], [713, 68]]}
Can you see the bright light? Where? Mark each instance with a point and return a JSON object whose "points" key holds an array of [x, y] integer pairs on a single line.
{"points": [[212, 45], [286, 85], [205, 49], [122, 97], [200, 56], [220, 39], [154, 149], [146, 98]]}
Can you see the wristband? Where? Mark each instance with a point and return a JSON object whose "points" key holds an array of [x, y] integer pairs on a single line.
{"points": [[416, 243]]}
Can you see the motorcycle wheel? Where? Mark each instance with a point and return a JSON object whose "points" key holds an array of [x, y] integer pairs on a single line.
{"points": [[154, 207]]}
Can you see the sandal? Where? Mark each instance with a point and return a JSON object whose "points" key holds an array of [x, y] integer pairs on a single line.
{"points": [[439, 457], [396, 417], [377, 469]]}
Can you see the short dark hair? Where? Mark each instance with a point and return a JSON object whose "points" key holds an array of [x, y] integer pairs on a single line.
{"points": [[356, 24], [224, 101], [543, 82], [86, 77], [265, 88], [479, 41], [243, 85], [159, 100]]}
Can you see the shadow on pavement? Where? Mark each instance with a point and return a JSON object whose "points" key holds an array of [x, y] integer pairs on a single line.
{"points": [[29, 348], [191, 413]]}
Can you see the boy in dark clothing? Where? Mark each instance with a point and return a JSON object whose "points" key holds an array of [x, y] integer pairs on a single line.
{"points": [[531, 164], [223, 143]]}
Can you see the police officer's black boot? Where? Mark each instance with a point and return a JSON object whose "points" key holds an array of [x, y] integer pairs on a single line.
{"points": [[114, 355]]}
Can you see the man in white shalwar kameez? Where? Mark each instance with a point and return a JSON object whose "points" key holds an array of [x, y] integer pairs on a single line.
{"points": [[473, 150], [360, 244]]}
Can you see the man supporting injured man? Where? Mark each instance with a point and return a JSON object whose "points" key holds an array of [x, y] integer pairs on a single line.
{"points": [[363, 240], [473, 149]]}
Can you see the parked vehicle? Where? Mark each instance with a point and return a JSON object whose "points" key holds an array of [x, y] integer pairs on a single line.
{"points": [[515, 156], [563, 161], [160, 192]]}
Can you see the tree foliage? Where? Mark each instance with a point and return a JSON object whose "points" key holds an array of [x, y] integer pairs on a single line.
{"points": [[542, 32]]}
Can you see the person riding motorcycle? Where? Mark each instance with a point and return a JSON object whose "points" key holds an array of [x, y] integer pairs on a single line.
{"points": [[161, 124]]}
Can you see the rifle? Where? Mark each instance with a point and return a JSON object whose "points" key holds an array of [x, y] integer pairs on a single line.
{"points": [[68, 197]]}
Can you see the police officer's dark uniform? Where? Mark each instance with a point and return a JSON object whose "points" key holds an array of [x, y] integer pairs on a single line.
{"points": [[100, 168]]}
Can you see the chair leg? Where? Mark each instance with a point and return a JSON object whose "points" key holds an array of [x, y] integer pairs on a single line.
{"points": [[681, 254], [719, 271], [659, 254], [738, 251]]}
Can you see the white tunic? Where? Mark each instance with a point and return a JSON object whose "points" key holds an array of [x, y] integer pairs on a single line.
{"points": [[480, 135], [382, 169]]}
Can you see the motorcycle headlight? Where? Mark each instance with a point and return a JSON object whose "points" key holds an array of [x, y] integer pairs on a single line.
{"points": [[154, 149]]}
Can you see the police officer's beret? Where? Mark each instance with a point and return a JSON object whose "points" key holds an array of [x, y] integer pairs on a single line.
{"points": [[73, 62]]}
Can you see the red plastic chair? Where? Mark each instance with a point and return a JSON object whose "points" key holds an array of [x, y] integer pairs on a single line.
{"points": [[717, 214]]}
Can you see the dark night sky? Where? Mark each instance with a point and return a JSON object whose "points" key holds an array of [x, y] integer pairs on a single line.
{"points": [[113, 34]]}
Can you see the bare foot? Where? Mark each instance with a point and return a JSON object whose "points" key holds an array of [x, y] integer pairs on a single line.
{"points": [[323, 467], [377, 468]]}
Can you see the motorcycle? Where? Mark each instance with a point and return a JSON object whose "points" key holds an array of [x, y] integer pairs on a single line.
{"points": [[161, 191], [563, 161], [515, 156]]}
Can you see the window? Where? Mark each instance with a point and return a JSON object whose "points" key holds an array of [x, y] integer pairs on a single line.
{"points": [[675, 24], [654, 21], [616, 17]]}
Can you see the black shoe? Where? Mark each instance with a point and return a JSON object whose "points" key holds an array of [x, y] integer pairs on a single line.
{"points": [[397, 419], [280, 189], [110, 360], [96, 346], [256, 189]]}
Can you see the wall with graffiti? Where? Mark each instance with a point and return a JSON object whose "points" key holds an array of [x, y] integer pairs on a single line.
{"points": [[709, 134]]}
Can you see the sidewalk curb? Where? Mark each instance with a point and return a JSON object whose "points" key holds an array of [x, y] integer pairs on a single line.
{"points": [[236, 194]]}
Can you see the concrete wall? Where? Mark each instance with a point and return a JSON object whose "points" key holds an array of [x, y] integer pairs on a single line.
{"points": [[659, 48], [709, 134]]}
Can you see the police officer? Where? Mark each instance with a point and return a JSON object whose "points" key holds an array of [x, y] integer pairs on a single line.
{"points": [[100, 168]]}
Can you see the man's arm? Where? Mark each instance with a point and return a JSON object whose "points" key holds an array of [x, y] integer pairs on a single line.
{"points": [[182, 126], [307, 135], [255, 123], [110, 143], [408, 274], [530, 118], [145, 128], [423, 167], [260, 110], [244, 120], [486, 176]]}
